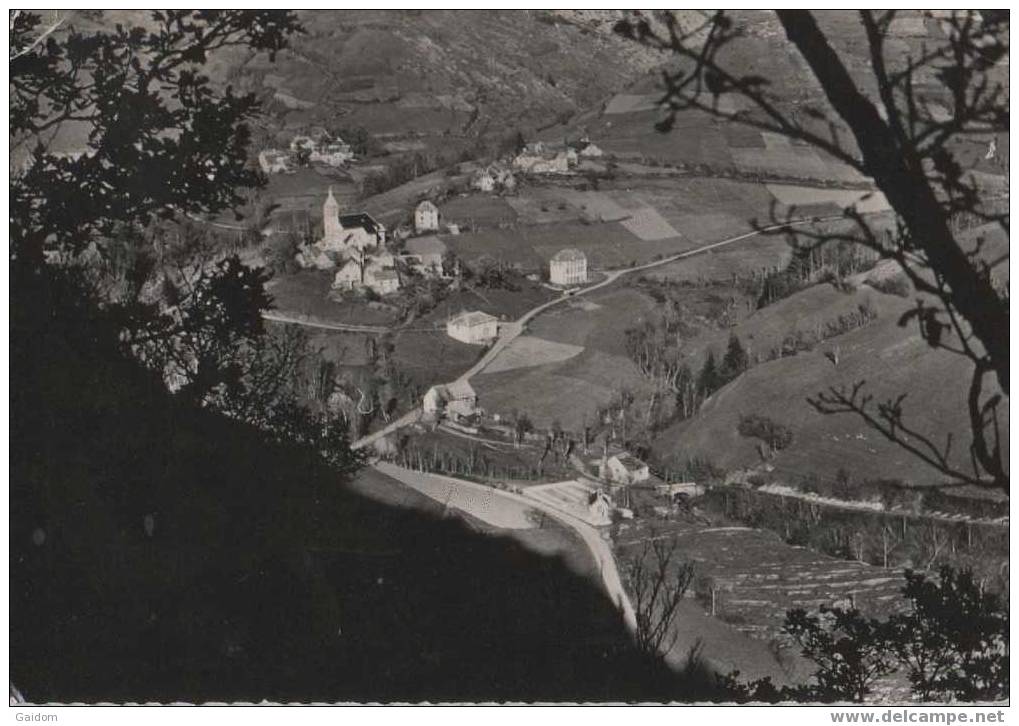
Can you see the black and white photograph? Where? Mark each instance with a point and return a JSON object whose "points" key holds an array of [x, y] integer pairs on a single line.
{"points": [[509, 357]]}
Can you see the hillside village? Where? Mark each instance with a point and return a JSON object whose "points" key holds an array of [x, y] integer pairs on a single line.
{"points": [[528, 294], [574, 394]]}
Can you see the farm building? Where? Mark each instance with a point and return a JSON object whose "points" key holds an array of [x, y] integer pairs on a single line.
{"points": [[473, 327], [568, 267], [429, 251], [274, 161], [426, 217], [455, 400], [624, 468]]}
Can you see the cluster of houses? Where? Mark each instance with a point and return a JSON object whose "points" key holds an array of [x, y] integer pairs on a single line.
{"points": [[355, 246], [543, 157], [317, 147]]}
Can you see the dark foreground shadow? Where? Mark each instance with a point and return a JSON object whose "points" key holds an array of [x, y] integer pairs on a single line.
{"points": [[160, 552]]}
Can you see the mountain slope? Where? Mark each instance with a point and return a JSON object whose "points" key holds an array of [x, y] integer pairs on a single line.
{"points": [[891, 360]]}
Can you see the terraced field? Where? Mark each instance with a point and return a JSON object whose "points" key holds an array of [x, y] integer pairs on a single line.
{"points": [[757, 577]]}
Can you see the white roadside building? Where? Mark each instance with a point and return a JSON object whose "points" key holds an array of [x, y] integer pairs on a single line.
{"points": [[474, 327], [568, 267], [624, 468], [454, 400]]}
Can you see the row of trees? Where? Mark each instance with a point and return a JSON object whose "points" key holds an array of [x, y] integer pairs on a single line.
{"points": [[877, 538], [808, 266]]}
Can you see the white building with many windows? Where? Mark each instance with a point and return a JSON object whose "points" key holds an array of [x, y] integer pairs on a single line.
{"points": [[568, 267]]}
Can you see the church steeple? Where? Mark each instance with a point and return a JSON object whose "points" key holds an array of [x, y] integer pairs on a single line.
{"points": [[331, 218]]}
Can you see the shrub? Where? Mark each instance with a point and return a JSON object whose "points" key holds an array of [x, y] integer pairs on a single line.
{"points": [[895, 285], [775, 435]]}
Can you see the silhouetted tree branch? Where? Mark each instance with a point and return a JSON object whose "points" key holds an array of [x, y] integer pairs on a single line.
{"points": [[657, 582], [899, 141]]}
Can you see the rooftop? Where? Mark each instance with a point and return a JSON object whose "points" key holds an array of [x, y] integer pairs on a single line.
{"points": [[460, 389], [630, 462], [471, 319], [568, 255], [427, 206], [358, 219]]}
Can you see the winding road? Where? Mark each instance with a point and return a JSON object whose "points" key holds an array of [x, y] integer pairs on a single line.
{"points": [[508, 332], [595, 541]]}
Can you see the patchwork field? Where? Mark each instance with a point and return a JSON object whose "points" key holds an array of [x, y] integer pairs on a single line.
{"points": [[742, 258], [595, 206], [526, 351], [478, 210], [648, 224], [543, 205], [530, 247], [600, 329], [571, 390], [797, 196], [502, 303]]}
